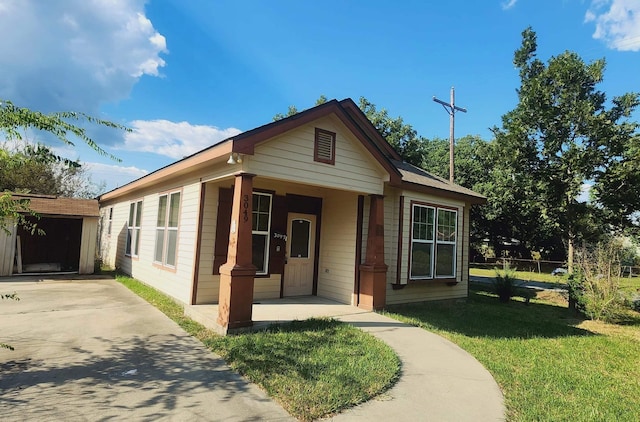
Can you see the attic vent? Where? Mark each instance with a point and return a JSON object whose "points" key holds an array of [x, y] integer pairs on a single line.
{"points": [[324, 150]]}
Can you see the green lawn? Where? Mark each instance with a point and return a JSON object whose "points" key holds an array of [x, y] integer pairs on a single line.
{"points": [[629, 285], [550, 365], [313, 368], [522, 275]]}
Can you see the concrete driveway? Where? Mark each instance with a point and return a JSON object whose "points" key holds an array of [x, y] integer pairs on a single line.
{"points": [[91, 350]]}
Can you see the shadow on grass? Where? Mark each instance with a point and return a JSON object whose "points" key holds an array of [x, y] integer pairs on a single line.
{"points": [[482, 315], [314, 367]]}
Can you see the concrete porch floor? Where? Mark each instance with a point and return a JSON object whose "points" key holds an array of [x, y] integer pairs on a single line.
{"points": [[272, 311]]}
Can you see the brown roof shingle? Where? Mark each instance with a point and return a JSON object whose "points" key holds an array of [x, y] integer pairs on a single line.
{"points": [[418, 176], [52, 205]]}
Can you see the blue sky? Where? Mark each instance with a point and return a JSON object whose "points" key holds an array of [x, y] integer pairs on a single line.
{"points": [[185, 73]]}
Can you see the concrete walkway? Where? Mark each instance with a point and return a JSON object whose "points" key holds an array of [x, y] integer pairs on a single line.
{"points": [[439, 381], [92, 350]]}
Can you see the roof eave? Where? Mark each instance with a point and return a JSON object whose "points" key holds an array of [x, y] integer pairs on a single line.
{"points": [[472, 199]]}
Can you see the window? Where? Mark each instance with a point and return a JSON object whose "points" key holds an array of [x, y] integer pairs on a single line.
{"points": [[433, 242], [133, 228], [109, 221], [300, 238], [422, 242], [167, 229], [324, 148], [446, 243], [261, 225]]}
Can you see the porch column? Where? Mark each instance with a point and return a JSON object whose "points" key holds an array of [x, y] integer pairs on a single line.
{"points": [[237, 274], [373, 273]]}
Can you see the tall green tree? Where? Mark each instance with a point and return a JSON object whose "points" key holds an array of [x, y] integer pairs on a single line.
{"points": [[561, 134], [36, 169], [400, 135], [294, 110], [65, 126]]}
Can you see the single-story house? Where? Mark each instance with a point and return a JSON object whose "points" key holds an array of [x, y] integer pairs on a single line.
{"points": [[314, 204], [68, 243]]}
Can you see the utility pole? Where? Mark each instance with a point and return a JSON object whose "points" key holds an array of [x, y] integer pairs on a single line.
{"points": [[451, 109]]}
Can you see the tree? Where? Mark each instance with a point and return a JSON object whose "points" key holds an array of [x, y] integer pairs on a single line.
{"points": [[400, 135], [617, 186], [62, 125], [36, 169], [560, 135], [294, 110]]}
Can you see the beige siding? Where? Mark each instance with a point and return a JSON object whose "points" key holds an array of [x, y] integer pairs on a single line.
{"points": [[208, 284], [290, 157], [391, 220], [7, 247], [88, 245], [336, 284], [267, 287], [176, 281], [431, 289], [338, 247], [466, 248]]}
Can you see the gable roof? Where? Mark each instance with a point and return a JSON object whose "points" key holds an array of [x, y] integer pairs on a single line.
{"points": [[370, 138], [415, 178], [58, 206], [400, 174]]}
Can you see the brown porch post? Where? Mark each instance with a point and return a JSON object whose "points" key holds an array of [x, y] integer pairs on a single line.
{"points": [[237, 274], [373, 273]]}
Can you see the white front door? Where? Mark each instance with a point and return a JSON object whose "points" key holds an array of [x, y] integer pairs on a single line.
{"points": [[298, 272]]}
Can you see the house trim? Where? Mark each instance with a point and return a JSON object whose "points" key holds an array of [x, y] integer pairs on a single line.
{"points": [[400, 238], [198, 246]]}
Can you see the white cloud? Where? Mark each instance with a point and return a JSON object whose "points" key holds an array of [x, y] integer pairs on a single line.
{"points": [[175, 140], [617, 23], [113, 175], [75, 54], [509, 4]]}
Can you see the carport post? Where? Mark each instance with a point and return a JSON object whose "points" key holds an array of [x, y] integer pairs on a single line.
{"points": [[237, 274]]}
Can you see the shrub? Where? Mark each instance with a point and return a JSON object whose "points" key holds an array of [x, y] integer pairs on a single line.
{"points": [[594, 289], [505, 283]]}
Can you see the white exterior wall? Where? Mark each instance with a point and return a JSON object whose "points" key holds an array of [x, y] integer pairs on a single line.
{"points": [[336, 269], [88, 245], [208, 284], [175, 282], [7, 247], [290, 157], [433, 289], [337, 243]]}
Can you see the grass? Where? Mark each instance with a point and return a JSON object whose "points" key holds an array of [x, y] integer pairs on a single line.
{"points": [[313, 368], [629, 285], [521, 275], [549, 364]]}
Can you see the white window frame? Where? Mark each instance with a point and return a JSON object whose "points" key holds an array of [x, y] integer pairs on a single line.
{"points": [[134, 230], [433, 243], [423, 241], [166, 229], [447, 242], [262, 232]]}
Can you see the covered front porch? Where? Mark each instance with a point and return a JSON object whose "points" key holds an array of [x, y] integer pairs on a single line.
{"points": [[276, 239], [276, 311]]}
